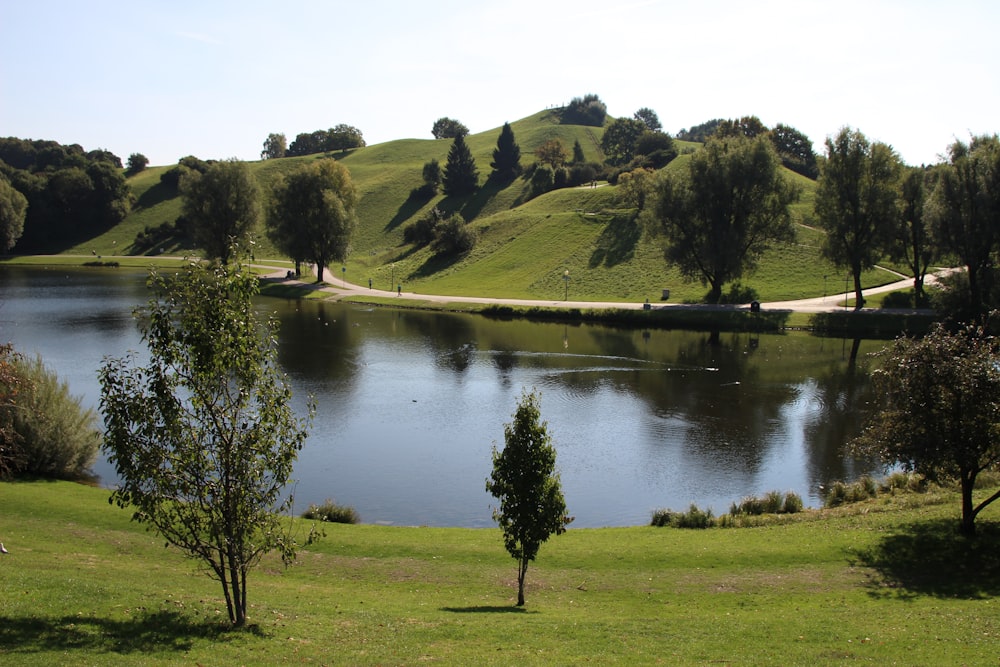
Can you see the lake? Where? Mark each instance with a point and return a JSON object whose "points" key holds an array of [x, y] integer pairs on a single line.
{"points": [[409, 403]]}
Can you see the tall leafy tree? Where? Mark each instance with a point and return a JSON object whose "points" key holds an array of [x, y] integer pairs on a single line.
{"points": [[312, 215], [222, 206], [648, 118], [938, 410], [856, 199], [747, 126], [275, 146], [460, 174], [507, 155], [13, 210], [448, 128], [525, 481], [620, 139], [204, 438], [578, 157], [964, 213], [916, 247], [724, 210], [795, 149]]}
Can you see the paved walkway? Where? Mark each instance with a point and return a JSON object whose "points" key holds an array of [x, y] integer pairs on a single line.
{"points": [[339, 289]]}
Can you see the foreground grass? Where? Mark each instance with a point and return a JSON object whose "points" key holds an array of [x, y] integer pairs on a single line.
{"points": [[82, 585]]}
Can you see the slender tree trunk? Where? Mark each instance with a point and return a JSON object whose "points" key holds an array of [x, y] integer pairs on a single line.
{"points": [[239, 600], [522, 570]]}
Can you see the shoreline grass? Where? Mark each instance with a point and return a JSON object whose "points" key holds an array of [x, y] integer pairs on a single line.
{"points": [[886, 582]]}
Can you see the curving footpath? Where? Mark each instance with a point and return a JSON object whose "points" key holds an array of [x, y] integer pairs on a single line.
{"points": [[829, 303]]}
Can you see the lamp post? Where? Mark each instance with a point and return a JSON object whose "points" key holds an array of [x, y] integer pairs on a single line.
{"points": [[566, 285]]}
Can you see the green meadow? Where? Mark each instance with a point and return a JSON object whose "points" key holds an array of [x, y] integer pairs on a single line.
{"points": [[885, 582], [525, 245]]}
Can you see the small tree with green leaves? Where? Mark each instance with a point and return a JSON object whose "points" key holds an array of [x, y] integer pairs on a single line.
{"points": [[526, 483], [204, 437], [938, 410]]}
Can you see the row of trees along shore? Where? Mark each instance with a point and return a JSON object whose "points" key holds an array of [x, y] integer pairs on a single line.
{"points": [[204, 439]]}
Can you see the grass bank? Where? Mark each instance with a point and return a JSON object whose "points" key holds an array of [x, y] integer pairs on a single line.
{"points": [[887, 582]]}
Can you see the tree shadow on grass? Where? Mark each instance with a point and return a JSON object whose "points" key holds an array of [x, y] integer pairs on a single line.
{"points": [[161, 631], [488, 609], [933, 558], [617, 243]]}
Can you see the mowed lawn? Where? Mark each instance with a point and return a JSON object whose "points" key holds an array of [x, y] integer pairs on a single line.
{"points": [[887, 582]]}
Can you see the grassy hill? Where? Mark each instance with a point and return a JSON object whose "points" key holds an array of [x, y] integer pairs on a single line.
{"points": [[885, 582], [524, 246]]}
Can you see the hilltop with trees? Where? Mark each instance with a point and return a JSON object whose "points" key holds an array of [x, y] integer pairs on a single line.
{"points": [[521, 200]]}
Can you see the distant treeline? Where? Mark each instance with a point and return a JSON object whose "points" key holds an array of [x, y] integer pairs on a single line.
{"points": [[72, 194]]}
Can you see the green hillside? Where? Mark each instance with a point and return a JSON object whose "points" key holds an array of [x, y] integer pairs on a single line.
{"points": [[525, 246]]}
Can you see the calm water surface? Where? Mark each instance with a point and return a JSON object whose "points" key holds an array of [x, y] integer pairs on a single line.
{"points": [[410, 403]]}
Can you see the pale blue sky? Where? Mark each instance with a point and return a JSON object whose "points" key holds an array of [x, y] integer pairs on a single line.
{"points": [[213, 78]]}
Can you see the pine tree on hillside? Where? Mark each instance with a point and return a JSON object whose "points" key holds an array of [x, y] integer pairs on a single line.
{"points": [[506, 156], [460, 174]]}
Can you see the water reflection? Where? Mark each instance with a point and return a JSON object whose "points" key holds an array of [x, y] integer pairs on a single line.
{"points": [[409, 402]]}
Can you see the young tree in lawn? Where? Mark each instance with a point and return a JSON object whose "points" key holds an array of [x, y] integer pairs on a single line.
{"points": [[724, 210], [938, 410], [222, 206], [203, 438], [460, 174], [856, 198], [526, 483], [312, 215]]}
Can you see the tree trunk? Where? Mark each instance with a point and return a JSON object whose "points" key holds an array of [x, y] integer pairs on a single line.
{"points": [[968, 526], [522, 570], [714, 292], [859, 296], [320, 263]]}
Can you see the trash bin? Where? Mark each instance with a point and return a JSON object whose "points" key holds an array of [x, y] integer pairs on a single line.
{"points": [[755, 306]]}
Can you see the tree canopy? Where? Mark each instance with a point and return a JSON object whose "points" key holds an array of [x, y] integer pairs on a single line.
{"points": [[448, 128], [203, 438], [724, 210], [275, 146], [856, 198], [13, 209], [312, 214], [525, 481], [222, 206], [649, 119], [586, 110], [71, 194], [339, 138], [620, 139]]}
